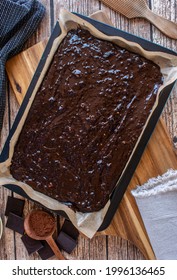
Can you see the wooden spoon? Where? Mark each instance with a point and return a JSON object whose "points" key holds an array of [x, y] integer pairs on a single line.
{"points": [[139, 8], [40, 225]]}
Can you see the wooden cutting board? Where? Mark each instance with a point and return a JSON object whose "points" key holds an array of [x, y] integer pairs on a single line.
{"points": [[157, 158]]}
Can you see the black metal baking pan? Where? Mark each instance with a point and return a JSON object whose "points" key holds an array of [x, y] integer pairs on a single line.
{"points": [[125, 179]]}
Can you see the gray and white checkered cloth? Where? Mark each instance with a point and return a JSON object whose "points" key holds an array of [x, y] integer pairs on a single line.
{"points": [[18, 20]]}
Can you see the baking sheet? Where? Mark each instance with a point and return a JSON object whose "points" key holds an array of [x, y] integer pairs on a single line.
{"points": [[90, 222]]}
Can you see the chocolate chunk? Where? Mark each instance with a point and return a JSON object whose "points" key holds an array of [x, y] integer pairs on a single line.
{"points": [[31, 245], [175, 139], [66, 242], [70, 229], [46, 252], [15, 223], [14, 205]]}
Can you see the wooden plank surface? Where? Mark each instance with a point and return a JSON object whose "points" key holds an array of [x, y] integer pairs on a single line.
{"points": [[127, 222], [101, 247]]}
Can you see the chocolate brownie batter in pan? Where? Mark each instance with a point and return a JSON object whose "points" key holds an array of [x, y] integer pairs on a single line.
{"points": [[85, 121]]}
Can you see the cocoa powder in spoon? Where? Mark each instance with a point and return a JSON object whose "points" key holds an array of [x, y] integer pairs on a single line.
{"points": [[42, 223]]}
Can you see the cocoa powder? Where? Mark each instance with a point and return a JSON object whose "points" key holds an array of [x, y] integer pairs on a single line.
{"points": [[42, 223]]}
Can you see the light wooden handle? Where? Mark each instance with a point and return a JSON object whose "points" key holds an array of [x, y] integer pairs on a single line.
{"points": [[55, 248], [168, 27]]}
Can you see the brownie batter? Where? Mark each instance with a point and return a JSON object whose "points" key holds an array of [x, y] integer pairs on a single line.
{"points": [[85, 121]]}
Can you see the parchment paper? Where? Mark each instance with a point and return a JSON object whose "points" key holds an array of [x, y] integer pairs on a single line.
{"points": [[87, 223]]}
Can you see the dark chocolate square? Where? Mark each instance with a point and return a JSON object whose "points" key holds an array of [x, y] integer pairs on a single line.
{"points": [[15, 223], [14, 205], [31, 245], [66, 242], [46, 252], [70, 229]]}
